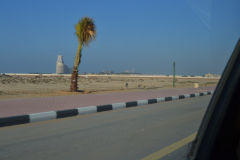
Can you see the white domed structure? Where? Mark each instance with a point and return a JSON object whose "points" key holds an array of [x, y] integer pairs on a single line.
{"points": [[60, 65]]}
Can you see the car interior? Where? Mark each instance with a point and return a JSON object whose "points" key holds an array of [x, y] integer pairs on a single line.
{"points": [[219, 134]]}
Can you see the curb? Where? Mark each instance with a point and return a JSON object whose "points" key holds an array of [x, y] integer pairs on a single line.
{"points": [[43, 116]]}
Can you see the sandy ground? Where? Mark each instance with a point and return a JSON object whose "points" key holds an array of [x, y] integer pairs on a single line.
{"points": [[17, 86]]}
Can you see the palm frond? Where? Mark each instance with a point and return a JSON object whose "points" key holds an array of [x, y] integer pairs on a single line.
{"points": [[85, 30]]}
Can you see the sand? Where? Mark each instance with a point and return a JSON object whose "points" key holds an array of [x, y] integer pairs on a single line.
{"points": [[18, 86]]}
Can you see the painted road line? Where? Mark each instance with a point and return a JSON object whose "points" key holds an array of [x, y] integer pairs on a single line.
{"points": [[171, 148]]}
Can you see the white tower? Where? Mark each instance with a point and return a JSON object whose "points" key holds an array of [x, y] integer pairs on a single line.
{"points": [[60, 65]]}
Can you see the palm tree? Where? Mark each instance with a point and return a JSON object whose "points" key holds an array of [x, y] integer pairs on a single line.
{"points": [[85, 31]]}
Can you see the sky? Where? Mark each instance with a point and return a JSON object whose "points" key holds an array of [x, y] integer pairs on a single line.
{"points": [[145, 36]]}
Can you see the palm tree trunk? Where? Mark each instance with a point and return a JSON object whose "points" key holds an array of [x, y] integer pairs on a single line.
{"points": [[74, 78]]}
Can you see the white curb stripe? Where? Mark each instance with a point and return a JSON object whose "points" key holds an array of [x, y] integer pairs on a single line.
{"points": [[197, 94], [142, 102], [42, 116], [175, 97], [160, 99], [204, 93], [86, 110], [118, 105]]}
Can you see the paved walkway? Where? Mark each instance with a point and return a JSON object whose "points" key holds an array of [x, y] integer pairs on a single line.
{"points": [[11, 107]]}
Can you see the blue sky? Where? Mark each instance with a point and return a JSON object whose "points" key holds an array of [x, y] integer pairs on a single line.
{"points": [[146, 36]]}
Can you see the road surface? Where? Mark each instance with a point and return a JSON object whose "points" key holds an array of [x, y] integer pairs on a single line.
{"points": [[129, 134]]}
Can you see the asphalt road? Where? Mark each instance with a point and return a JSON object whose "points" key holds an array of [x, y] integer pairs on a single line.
{"points": [[128, 134]]}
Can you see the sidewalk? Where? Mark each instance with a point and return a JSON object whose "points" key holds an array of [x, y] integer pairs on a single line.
{"points": [[12, 107]]}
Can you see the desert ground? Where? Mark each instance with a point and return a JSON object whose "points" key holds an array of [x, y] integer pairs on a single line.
{"points": [[35, 85]]}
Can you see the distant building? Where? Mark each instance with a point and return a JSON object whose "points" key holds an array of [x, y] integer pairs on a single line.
{"points": [[61, 68], [209, 75]]}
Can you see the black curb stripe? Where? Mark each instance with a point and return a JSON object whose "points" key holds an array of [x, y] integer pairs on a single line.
{"points": [[131, 104], [14, 120], [168, 98], [103, 108], [201, 94], [208, 93], [181, 96], [67, 113], [151, 101], [192, 95]]}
